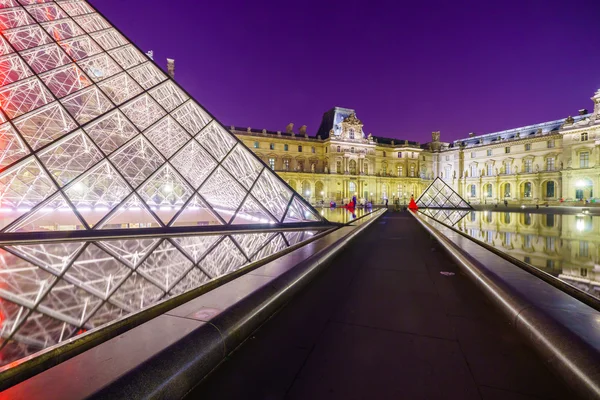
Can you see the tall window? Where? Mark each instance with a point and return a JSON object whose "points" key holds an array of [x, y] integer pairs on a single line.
{"points": [[527, 189], [528, 166], [399, 170], [412, 170], [507, 167], [584, 136], [473, 190], [507, 190], [584, 159], [584, 249], [550, 164], [366, 167], [550, 144], [286, 164], [384, 168], [473, 154], [352, 187], [399, 154], [272, 163], [351, 133], [550, 243], [447, 172], [550, 220], [488, 190], [351, 149], [489, 170], [299, 149], [507, 150], [312, 149], [256, 145], [527, 146], [489, 152], [338, 167], [474, 171], [271, 146], [413, 155], [285, 147], [550, 189], [384, 153], [301, 165]]}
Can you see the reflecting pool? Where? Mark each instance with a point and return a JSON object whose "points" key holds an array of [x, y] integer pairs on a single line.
{"points": [[342, 215], [566, 246], [53, 291]]}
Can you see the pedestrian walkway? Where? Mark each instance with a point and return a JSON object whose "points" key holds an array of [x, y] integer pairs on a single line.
{"points": [[391, 318]]}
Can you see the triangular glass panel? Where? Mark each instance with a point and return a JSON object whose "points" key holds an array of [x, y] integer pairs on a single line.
{"points": [[55, 214], [143, 111], [223, 193], [243, 165], [105, 314], [70, 157], [295, 237], [196, 246], [86, 104], [12, 147], [97, 192], [129, 251], [120, 88], [272, 193], [128, 56], [251, 212], [169, 95], [439, 195], [43, 331], [69, 303], [133, 213], [22, 187], [137, 160], [196, 213], [136, 293], [12, 316], [97, 271], [192, 117], [194, 163], [195, 278], [12, 69], [274, 246], [100, 67], [165, 193], [111, 131], [216, 140], [301, 213], [167, 136], [223, 259], [165, 266], [147, 75], [252, 242]]}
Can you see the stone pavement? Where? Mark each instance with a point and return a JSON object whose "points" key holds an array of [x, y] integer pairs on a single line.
{"points": [[382, 322]]}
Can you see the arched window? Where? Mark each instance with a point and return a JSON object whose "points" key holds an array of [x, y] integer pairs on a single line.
{"points": [[352, 167], [527, 189], [550, 189], [338, 167], [285, 147], [488, 190], [507, 190], [473, 190]]}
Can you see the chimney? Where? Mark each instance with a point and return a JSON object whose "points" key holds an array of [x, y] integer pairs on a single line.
{"points": [[150, 54], [171, 67], [583, 111]]}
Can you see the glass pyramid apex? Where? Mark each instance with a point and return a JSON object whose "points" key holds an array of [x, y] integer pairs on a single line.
{"points": [[88, 122], [440, 195]]}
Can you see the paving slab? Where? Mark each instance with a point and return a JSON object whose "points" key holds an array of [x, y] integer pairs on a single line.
{"points": [[382, 322]]}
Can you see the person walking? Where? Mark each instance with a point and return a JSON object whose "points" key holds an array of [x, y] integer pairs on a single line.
{"points": [[386, 202]]}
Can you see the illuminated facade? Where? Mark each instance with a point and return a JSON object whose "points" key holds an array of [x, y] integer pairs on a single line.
{"points": [[538, 163]]}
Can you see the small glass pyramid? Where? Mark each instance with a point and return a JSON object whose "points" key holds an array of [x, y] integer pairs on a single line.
{"points": [[440, 195], [93, 135]]}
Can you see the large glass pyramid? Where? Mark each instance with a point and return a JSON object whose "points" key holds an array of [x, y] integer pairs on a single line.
{"points": [[440, 195], [93, 135]]}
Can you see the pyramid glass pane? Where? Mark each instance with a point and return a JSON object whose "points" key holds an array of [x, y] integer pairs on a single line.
{"points": [[439, 195], [67, 51]]}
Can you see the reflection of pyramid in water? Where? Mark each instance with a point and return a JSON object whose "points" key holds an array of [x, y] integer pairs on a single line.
{"points": [[447, 216], [440, 195], [93, 135]]}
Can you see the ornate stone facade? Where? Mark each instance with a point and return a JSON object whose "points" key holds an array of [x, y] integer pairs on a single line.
{"points": [[539, 163]]}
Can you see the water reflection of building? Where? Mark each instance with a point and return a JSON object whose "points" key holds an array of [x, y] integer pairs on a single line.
{"points": [[566, 246]]}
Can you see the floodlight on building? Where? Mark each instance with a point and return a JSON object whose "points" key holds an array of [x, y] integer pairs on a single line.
{"points": [[308, 192], [322, 193], [580, 183]]}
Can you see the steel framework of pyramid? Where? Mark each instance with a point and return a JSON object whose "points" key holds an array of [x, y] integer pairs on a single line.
{"points": [[94, 135], [440, 195]]}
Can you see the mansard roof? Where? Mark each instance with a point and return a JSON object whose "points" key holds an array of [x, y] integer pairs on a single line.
{"points": [[546, 128]]}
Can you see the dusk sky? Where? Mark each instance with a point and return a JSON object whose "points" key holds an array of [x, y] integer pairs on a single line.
{"points": [[407, 68]]}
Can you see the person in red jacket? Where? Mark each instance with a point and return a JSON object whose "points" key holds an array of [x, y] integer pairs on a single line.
{"points": [[412, 205]]}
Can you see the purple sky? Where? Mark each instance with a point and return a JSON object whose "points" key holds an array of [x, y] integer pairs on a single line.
{"points": [[407, 68]]}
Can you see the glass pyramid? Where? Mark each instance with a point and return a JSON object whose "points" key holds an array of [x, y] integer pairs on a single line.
{"points": [[440, 195], [93, 135]]}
